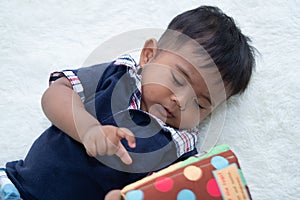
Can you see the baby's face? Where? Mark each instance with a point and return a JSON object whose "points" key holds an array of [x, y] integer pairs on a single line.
{"points": [[175, 92]]}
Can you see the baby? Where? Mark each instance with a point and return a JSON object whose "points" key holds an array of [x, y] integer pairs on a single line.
{"points": [[114, 123]]}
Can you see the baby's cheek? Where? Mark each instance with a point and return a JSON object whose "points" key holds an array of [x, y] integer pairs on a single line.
{"points": [[190, 120]]}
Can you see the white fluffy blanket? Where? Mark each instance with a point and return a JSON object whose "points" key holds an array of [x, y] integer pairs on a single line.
{"points": [[262, 126]]}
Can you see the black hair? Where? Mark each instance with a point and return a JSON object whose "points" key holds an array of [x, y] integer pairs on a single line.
{"points": [[218, 34]]}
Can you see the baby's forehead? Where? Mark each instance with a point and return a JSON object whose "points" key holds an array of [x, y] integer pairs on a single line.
{"points": [[191, 52], [192, 59]]}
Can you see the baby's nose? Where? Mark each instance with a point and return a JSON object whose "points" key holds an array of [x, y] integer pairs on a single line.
{"points": [[180, 100]]}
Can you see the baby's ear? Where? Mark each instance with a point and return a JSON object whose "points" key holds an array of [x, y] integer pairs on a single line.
{"points": [[148, 52]]}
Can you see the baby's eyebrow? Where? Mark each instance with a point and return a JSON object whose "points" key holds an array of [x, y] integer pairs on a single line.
{"points": [[182, 70]]}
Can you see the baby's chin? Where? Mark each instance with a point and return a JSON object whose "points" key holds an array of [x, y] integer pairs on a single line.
{"points": [[180, 126]]}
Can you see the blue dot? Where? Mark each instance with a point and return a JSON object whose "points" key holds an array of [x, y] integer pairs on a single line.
{"points": [[186, 194], [135, 195], [219, 162]]}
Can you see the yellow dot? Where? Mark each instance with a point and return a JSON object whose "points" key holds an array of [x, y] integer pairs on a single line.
{"points": [[192, 173]]}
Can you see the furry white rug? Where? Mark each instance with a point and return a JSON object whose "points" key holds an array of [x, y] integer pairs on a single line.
{"points": [[261, 126]]}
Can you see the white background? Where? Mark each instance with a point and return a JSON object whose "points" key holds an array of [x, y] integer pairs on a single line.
{"points": [[262, 126]]}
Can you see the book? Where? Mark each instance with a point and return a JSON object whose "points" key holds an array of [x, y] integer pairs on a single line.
{"points": [[214, 175]]}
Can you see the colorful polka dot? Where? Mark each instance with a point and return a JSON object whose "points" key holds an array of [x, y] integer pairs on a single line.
{"points": [[186, 194], [192, 173], [135, 195], [164, 184], [219, 162], [212, 188]]}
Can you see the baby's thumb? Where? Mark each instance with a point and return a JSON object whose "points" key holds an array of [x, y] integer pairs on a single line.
{"points": [[113, 195]]}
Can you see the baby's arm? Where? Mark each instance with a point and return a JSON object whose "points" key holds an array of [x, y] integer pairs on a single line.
{"points": [[66, 111]]}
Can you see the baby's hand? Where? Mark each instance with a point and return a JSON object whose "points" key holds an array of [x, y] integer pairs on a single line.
{"points": [[105, 140]]}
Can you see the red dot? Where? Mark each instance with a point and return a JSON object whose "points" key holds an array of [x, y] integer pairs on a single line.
{"points": [[164, 184], [212, 188]]}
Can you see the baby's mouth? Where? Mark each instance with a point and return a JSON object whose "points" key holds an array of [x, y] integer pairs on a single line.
{"points": [[161, 112], [165, 112], [169, 114]]}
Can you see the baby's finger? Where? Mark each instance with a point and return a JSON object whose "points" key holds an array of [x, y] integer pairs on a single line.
{"points": [[128, 135], [113, 195], [123, 154]]}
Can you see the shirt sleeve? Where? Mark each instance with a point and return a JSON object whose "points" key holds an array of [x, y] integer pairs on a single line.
{"points": [[72, 77], [84, 80]]}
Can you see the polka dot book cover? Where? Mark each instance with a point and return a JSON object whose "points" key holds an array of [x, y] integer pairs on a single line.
{"points": [[215, 175]]}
